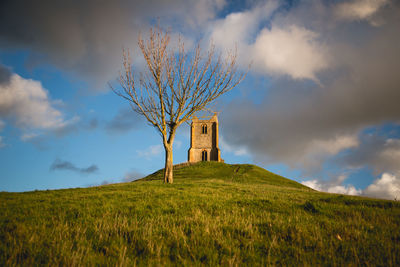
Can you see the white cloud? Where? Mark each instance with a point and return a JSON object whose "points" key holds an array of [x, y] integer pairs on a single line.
{"points": [[388, 186], [291, 50], [359, 9], [237, 28], [294, 51], [391, 152], [150, 152], [203, 10], [346, 190], [332, 146], [314, 184], [380, 154], [27, 103], [313, 153], [237, 151], [334, 186]]}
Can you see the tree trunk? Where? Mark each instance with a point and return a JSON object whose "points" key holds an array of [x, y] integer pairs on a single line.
{"points": [[168, 170]]}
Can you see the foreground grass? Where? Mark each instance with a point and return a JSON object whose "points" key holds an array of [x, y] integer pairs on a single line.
{"points": [[213, 214]]}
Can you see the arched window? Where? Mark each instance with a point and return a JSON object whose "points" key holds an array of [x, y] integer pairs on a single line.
{"points": [[204, 155], [204, 129]]}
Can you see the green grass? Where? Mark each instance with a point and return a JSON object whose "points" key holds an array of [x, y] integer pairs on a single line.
{"points": [[213, 214]]}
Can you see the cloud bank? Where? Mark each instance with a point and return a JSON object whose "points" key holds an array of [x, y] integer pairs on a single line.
{"points": [[25, 104], [386, 187], [85, 38], [28, 103], [298, 122], [275, 50], [333, 75], [360, 10]]}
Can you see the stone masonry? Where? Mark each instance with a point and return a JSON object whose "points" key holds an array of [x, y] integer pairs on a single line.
{"points": [[204, 140]]}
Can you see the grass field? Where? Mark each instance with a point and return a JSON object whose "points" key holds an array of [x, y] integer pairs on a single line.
{"points": [[213, 214]]}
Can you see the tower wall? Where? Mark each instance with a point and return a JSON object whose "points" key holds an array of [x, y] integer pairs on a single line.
{"points": [[200, 141]]}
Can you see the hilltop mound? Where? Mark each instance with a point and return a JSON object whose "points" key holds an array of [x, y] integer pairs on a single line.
{"points": [[242, 173], [213, 214]]}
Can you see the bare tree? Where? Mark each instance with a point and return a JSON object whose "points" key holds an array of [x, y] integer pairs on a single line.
{"points": [[175, 85]]}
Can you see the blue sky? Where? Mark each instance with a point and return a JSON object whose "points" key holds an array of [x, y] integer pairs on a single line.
{"points": [[319, 104]]}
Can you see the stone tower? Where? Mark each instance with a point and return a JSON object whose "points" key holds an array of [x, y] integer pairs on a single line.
{"points": [[204, 140]]}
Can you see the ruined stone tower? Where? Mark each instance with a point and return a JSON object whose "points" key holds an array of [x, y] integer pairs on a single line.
{"points": [[204, 140]]}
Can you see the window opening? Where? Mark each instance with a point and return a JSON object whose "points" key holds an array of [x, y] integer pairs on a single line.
{"points": [[204, 129]]}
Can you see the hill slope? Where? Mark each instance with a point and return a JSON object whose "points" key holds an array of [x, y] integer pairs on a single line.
{"points": [[214, 213], [242, 173]]}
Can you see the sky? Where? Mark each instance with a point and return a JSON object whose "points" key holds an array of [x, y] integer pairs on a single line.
{"points": [[319, 105]]}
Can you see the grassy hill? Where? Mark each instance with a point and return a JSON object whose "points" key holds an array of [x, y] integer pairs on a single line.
{"points": [[213, 214]]}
